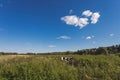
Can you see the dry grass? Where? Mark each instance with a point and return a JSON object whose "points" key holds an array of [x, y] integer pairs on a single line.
{"points": [[8, 57]]}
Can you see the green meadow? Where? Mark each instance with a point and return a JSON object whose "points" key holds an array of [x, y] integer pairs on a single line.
{"points": [[50, 67]]}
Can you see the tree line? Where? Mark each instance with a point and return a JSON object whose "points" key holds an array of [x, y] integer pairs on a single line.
{"points": [[115, 49]]}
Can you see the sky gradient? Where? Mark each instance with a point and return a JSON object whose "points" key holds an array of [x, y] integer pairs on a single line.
{"points": [[42, 26]]}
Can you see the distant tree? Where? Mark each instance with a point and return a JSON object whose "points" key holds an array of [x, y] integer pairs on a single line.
{"points": [[30, 53], [102, 50], [2, 53]]}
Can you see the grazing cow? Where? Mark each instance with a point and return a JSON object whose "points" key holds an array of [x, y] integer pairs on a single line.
{"points": [[62, 58], [68, 60]]}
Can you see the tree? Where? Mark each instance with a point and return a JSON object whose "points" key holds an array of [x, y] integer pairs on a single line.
{"points": [[102, 50]]}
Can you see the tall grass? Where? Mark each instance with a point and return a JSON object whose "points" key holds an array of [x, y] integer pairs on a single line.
{"points": [[50, 67]]}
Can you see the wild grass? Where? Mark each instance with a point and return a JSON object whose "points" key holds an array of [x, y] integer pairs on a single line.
{"points": [[50, 67]]}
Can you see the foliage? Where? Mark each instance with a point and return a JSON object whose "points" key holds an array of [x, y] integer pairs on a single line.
{"points": [[101, 50], [115, 49]]}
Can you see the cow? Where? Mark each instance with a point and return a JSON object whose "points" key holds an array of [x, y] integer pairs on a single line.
{"points": [[68, 60]]}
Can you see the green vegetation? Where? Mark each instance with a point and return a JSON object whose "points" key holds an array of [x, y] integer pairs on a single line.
{"points": [[50, 67], [101, 63], [115, 49]]}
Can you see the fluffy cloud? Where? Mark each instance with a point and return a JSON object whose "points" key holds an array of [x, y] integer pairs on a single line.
{"points": [[51, 46], [95, 17], [70, 20], [64, 37], [87, 13], [90, 37], [76, 21], [81, 21]]}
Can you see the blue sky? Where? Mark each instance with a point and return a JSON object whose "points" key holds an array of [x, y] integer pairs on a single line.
{"points": [[58, 25]]}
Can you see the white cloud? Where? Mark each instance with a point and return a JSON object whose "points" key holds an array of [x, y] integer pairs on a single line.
{"points": [[111, 35], [95, 17], [76, 21], [81, 21], [64, 37], [90, 37], [51, 46], [87, 13], [70, 20]]}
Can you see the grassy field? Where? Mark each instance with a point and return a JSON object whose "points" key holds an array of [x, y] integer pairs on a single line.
{"points": [[50, 67]]}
